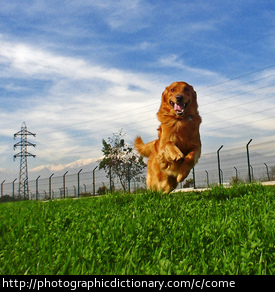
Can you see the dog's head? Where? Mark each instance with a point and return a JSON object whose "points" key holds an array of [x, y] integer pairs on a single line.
{"points": [[178, 100]]}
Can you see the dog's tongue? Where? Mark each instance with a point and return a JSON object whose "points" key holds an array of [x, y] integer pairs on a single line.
{"points": [[177, 107]]}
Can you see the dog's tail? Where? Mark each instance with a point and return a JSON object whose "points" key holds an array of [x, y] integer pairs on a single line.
{"points": [[144, 149]]}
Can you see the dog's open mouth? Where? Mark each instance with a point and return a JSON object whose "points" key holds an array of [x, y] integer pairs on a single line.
{"points": [[179, 108]]}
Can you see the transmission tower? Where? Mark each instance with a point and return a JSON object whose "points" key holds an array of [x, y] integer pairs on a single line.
{"points": [[23, 154]]}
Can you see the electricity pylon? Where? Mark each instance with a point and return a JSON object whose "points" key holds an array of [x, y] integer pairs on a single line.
{"points": [[23, 154]]}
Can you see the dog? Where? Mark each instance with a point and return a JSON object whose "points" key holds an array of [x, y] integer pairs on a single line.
{"points": [[178, 147]]}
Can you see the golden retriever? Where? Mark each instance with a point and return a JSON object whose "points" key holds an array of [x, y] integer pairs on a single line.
{"points": [[178, 147]]}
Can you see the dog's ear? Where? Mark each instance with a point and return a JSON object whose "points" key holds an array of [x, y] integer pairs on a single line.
{"points": [[194, 108], [164, 93], [164, 108], [194, 93]]}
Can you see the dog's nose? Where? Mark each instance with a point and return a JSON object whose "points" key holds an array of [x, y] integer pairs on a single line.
{"points": [[179, 98]]}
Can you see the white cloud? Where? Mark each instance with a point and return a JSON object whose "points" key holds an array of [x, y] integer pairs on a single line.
{"points": [[59, 167], [85, 101], [28, 61], [123, 15], [202, 76], [63, 116], [4, 149], [81, 92]]}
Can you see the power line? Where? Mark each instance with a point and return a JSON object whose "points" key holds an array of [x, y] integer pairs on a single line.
{"points": [[238, 77], [235, 125], [241, 124], [226, 98], [125, 114], [229, 97], [253, 113], [234, 87], [234, 49], [158, 102], [238, 105], [135, 129]]}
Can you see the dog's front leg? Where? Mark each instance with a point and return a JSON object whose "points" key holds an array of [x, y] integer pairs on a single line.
{"points": [[189, 162], [162, 161], [169, 154], [172, 152]]}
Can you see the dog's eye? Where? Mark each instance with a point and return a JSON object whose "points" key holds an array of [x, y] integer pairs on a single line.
{"points": [[186, 89], [172, 89]]}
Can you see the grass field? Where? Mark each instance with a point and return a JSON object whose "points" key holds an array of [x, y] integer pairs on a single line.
{"points": [[220, 231]]}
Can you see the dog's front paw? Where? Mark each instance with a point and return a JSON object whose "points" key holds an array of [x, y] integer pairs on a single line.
{"points": [[173, 153], [175, 156]]}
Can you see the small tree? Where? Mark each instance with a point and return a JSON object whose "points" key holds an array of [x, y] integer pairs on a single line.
{"points": [[188, 183], [120, 161]]}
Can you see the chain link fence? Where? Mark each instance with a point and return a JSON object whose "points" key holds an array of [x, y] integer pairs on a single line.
{"points": [[233, 168]]}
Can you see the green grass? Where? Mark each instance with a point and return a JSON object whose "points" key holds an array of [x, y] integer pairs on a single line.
{"points": [[220, 231]]}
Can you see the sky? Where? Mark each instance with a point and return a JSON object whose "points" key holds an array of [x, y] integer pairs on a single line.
{"points": [[78, 71]]}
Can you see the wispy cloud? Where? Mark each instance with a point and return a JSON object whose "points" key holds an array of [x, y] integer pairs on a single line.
{"points": [[60, 167], [78, 94], [124, 15]]}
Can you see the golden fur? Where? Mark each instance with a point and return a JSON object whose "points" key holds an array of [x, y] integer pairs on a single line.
{"points": [[178, 147]]}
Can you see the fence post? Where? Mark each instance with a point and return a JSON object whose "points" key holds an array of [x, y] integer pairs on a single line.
{"points": [[267, 172], [36, 184], [78, 182], [2, 186], [13, 188], [194, 179], [25, 181], [50, 185], [207, 178], [252, 172], [219, 165], [248, 161], [128, 176], [110, 178], [94, 180], [236, 174], [64, 183]]}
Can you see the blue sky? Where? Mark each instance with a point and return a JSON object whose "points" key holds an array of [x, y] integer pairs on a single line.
{"points": [[78, 71]]}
